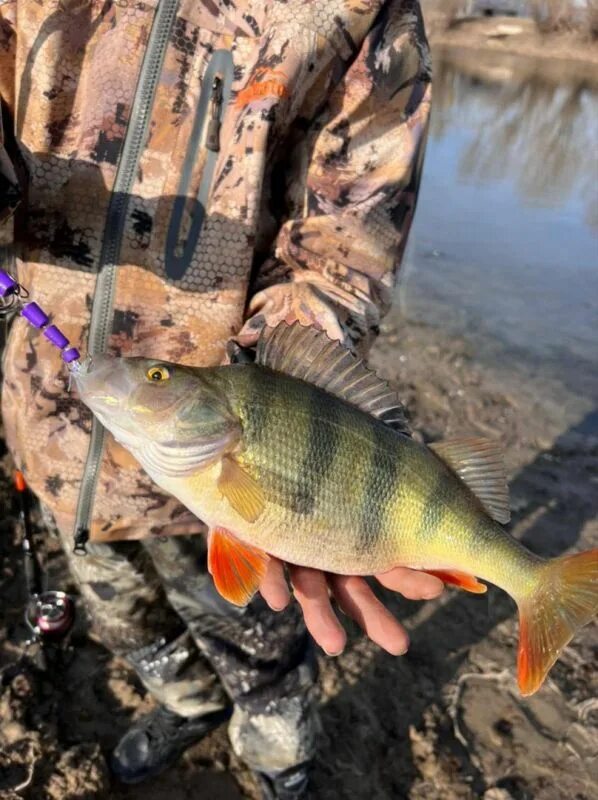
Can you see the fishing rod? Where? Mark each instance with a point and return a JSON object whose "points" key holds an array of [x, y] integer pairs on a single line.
{"points": [[49, 615]]}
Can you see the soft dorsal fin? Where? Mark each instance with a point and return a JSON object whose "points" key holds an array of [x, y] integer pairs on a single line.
{"points": [[309, 354], [480, 464]]}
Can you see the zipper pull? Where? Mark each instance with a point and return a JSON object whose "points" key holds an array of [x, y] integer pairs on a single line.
{"points": [[80, 541], [213, 128]]}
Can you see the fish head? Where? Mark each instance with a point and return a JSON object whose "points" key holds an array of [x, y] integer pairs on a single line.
{"points": [[147, 400]]}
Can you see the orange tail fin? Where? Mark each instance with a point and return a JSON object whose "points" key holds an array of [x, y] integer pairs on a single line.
{"points": [[564, 599]]}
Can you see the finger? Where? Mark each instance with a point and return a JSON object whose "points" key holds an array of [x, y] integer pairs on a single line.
{"points": [[411, 583], [274, 588], [357, 600], [311, 590]]}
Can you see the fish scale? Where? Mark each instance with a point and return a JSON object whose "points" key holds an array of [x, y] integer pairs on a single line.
{"points": [[379, 508]]}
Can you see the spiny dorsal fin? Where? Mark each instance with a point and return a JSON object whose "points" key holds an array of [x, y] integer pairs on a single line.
{"points": [[480, 464], [309, 354]]}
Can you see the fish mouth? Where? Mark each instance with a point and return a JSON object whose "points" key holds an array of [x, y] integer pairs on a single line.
{"points": [[103, 381], [106, 384]]}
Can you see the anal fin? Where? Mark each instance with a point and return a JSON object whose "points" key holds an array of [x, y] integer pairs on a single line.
{"points": [[237, 568], [468, 583]]}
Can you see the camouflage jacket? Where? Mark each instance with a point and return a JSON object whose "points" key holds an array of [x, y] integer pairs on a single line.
{"points": [[184, 171]]}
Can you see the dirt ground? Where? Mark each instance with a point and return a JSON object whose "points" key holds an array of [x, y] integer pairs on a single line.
{"points": [[443, 722]]}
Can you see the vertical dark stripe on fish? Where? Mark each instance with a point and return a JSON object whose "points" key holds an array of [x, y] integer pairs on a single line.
{"points": [[321, 448], [379, 492], [435, 503], [257, 406]]}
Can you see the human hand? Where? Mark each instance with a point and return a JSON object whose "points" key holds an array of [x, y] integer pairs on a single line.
{"points": [[314, 590]]}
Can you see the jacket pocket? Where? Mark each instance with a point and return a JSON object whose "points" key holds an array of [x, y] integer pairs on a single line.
{"points": [[189, 212]]}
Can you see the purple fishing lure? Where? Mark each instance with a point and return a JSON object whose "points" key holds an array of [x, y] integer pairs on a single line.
{"points": [[12, 295]]}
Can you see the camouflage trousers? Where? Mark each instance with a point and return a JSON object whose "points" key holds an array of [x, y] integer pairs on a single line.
{"points": [[154, 603]]}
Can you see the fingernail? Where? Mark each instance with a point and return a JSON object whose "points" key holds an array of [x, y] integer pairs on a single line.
{"points": [[333, 655], [405, 649], [278, 608]]}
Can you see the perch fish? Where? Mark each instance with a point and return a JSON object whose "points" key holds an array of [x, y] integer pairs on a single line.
{"points": [[305, 455]]}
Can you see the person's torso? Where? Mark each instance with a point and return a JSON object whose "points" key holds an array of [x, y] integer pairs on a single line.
{"points": [[151, 132]]}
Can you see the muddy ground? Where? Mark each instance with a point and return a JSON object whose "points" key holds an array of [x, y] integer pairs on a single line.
{"points": [[443, 722]]}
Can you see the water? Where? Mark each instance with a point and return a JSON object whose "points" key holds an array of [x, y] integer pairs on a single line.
{"points": [[504, 249]]}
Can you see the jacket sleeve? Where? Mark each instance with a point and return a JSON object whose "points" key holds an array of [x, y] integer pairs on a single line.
{"points": [[336, 258], [9, 184]]}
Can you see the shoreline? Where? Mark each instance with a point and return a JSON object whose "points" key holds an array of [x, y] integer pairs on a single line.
{"points": [[557, 57]]}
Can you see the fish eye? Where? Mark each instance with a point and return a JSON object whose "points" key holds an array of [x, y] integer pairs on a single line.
{"points": [[157, 374]]}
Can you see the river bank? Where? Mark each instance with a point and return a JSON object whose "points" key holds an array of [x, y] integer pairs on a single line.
{"points": [[499, 43]]}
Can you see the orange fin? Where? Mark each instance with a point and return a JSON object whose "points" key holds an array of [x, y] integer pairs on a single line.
{"points": [[564, 598], [237, 568], [461, 579], [241, 490]]}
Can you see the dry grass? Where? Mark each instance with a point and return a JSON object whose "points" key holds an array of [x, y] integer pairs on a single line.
{"points": [[566, 15], [450, 13], [550, 15], [454, 11], [592, 19]]}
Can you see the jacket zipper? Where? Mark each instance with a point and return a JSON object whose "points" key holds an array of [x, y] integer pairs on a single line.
{"points": [[102, 315], [213, 99]]}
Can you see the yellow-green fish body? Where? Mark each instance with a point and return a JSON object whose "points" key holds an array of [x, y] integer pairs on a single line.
{"points": [[343, 491], [298, 456]]}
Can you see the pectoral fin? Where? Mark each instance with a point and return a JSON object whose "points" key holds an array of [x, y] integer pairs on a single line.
{"points": [[468, 583], [237, 568], [241, 490]]}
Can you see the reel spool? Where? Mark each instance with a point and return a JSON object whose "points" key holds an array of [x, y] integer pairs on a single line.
{"points": [[50, 616]]}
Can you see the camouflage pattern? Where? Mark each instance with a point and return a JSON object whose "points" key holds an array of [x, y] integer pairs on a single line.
{"points": [[309, 203], [154, 603]]}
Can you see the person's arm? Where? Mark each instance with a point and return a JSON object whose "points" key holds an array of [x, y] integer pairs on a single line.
{"points": [[352, 189], [335, 264], [9, 185]]}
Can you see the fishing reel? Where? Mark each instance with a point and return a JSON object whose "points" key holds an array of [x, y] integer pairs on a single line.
{"points": [[50, 616]]}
